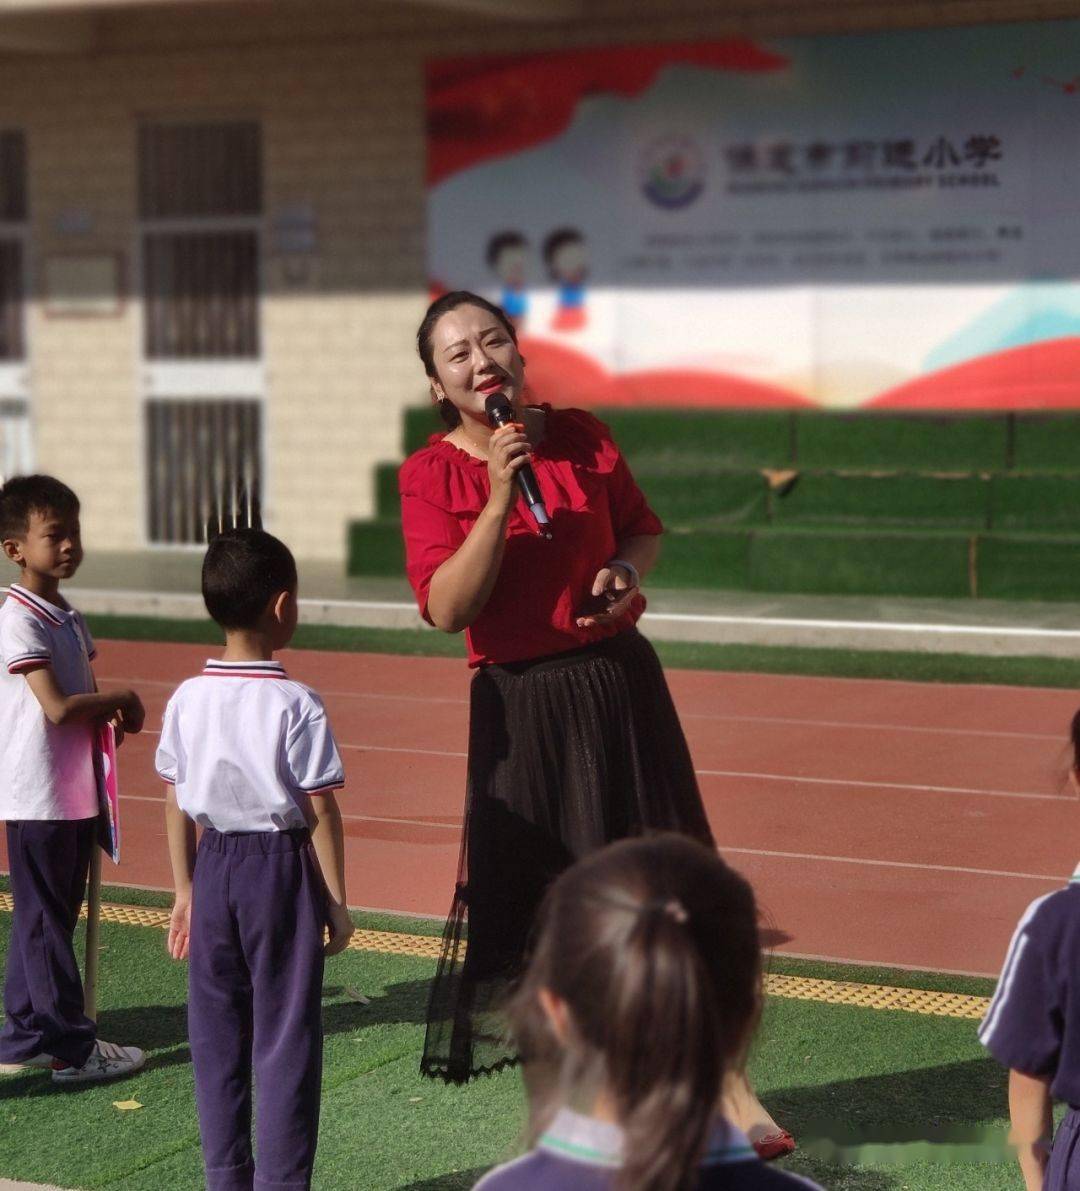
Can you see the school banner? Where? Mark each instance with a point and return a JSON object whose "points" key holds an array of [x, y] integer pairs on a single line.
{"points": [[887, 220]]}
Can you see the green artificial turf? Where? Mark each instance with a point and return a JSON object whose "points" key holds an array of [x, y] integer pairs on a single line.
{"points": [[838, 1076], [902, 442], [687, 655]]}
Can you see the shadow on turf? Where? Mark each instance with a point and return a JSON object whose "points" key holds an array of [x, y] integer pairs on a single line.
{"points": [[458, 1181], [162, 1030], [969, 1093]]}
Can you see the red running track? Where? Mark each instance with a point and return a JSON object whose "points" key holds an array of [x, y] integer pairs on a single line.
{"points": [[884, 822]]}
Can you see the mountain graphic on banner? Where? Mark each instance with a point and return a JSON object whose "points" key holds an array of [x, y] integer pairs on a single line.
{"points": [[1035, 314]]}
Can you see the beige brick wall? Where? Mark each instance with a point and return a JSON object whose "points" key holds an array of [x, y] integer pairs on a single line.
{"points": [[338, 89]]}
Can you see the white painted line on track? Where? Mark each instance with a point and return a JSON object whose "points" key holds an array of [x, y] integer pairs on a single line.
{"points": [[386, 748], [726, 849], [721, 717], [892, 626], [934, 731], [847, 781], [797, 779]]}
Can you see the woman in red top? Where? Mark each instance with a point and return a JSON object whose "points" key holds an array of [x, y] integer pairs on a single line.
{"points": [[573, 740]]}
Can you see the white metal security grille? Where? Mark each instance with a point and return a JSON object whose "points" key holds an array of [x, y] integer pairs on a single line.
{"points": [[16, 435], [200, 206], [201, 455]]}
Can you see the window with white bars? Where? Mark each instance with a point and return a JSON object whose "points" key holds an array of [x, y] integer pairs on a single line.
{"points": [[200, 208], [12, 177], [202, 459], [200, 171], [16, 436], [12, 217], [12, 346], [201, 295], [200, 198]]}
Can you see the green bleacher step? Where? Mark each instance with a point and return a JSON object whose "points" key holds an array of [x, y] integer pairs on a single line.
{"points": [[829, 499], [1035, 503], [1029, 567], [957, 444], [376, 548], [1046, 442], [387, 499], [667, 439], [707, 499], [694, 441], [860, 562], [827, 563]]}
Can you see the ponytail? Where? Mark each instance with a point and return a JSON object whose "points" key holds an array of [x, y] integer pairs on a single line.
{"points": [[667, 1082], [652, 944]]}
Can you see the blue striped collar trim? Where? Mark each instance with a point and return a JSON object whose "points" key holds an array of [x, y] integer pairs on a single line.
{"points": [[269, 669], [599, 1143], [46, 611]]}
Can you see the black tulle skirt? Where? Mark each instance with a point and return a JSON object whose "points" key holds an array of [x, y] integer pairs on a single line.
{"points": [[566, 753]]}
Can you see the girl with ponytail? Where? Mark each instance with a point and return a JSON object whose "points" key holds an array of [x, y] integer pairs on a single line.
{"points": [[638, 1005]]}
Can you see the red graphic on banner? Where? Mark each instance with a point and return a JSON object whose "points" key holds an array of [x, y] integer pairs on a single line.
{"points": [[1036, 376], [564, 376], [479, 108]]}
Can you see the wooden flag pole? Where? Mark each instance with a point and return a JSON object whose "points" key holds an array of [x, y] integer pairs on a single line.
{"points": [[93, 929]]}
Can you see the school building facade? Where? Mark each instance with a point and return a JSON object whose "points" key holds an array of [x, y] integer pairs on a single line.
{"points": [[212, 234]]}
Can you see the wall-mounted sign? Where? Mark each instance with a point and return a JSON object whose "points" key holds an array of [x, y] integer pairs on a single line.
{"points": [[83, 285], [866, 220]]}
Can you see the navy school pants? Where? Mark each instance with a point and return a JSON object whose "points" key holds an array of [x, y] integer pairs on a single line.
{"points": [[254, 1006], [43, 994]]}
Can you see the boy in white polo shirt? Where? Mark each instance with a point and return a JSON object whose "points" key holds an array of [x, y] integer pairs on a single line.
{"points": [[49, 706], [250, 757]]}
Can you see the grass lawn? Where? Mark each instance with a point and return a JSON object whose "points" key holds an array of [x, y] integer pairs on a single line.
{"points": [[831, 1073]]}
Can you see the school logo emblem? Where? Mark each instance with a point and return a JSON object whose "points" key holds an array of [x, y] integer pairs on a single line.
{"points": [[672, 172]]}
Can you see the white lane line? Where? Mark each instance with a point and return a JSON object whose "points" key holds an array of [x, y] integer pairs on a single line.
{"points": [[892, 626], [455, 826], [385, 748], [797, 779], [725, 849], [378, 697], [846, 781], [1057, 737]]}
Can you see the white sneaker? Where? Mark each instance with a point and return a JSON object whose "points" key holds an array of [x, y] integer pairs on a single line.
{"points": [[106, 1061], [26, 1065]]}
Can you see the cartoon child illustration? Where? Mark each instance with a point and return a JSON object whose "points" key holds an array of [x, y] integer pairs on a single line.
{"points": [[567, 265], [507, 253]]}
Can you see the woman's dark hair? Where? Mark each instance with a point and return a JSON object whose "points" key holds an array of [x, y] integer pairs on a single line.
{"points": [[441, 306], [653, 945], [1074, 737]]}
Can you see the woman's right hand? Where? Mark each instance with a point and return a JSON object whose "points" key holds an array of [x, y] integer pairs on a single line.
{"points": [[508, 451]]}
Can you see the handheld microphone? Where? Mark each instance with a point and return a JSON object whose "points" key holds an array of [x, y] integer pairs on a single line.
{"points": [[500, 413]]}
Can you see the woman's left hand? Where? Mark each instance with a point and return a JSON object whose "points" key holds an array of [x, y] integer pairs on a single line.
{"points": [[613, 584]]}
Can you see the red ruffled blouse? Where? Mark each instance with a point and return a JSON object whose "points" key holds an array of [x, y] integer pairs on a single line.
{"points": [[593, 502]]}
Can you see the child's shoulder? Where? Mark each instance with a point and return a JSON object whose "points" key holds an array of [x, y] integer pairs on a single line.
{"points": [[539, 1170], [16, 608], [1055, 912], [306, 698]]}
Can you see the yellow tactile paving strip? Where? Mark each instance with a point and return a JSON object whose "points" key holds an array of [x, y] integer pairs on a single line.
{"points": [[800, 988], [878, 996]]}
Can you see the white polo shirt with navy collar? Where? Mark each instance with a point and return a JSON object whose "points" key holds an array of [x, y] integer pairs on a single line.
{"points": [[245, 747], [46, 770]]}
